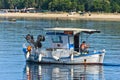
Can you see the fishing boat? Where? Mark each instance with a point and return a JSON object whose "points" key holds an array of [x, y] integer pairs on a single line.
{"points": [[63, 47]]}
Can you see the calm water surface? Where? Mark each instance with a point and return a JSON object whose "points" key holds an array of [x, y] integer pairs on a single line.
{"points": [[14, 67]]}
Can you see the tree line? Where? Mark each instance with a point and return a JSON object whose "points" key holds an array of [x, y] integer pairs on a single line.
{"points": [[64, 5]]}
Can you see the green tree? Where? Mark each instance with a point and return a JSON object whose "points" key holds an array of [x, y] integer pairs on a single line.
{"points": [[115, 7], [60, 5], [80, 8], [88, 4], [64, 5], [106, 6], [1, 6]]}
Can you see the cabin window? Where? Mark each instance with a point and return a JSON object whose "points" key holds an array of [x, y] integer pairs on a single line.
{"points": [[57, 39]]}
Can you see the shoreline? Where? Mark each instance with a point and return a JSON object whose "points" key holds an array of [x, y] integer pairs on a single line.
{"points": [[93, 16]]}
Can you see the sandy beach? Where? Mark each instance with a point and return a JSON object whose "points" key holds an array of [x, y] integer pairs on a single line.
{"points": [[93, 16]]}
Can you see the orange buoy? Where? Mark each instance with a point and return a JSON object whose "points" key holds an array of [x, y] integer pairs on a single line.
{"points": [[29, 48]]}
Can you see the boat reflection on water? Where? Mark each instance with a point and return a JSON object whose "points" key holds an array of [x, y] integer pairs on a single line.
{"points": [[63, 72]]}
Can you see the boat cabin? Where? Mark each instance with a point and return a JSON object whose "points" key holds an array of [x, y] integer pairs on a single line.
{"points": [[66, 38]]}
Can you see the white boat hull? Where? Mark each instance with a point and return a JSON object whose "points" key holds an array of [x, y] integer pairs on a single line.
{"points": [[47, 57]]}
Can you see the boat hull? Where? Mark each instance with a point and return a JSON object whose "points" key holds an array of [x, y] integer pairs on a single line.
{"points": [[90, 58]]}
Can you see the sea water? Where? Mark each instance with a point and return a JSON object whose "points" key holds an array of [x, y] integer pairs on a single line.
{"points": [[14, 67]]}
